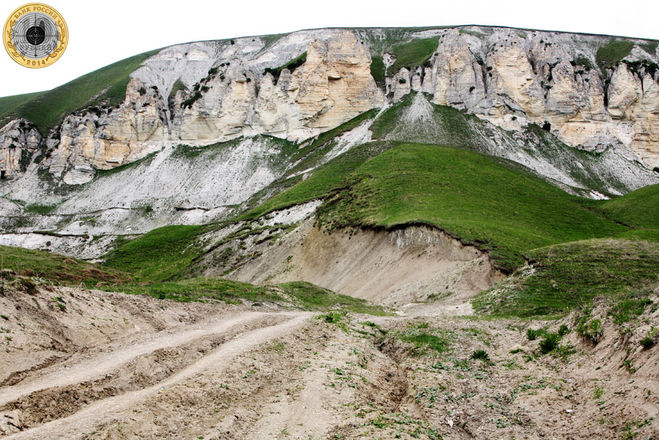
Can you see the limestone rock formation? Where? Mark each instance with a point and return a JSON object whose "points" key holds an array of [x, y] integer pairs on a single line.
{"points": [[18, 142], [333, 85], [512, 80], [208, 92], [104, 139]]}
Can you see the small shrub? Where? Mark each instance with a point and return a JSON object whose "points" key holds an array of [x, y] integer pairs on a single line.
{"points": [[331, 317], [481, 354], [550, 343], [533, 334], [591, 330], [650, 339]]}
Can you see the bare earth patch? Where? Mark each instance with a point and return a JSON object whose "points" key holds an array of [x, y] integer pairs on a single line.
{"points": [[156, 369]]}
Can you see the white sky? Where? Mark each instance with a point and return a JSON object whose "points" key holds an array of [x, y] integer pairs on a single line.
{"points": [[102, 32]]}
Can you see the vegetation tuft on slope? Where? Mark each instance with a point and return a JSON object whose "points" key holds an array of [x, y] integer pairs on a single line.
{"points": [[611, 54]]}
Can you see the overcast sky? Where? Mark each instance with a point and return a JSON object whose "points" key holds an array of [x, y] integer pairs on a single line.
{"points": [[102, 32]]}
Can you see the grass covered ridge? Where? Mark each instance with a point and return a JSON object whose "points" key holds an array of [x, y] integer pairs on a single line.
{"points": [[475, 197], [46, 109], [570, 275], [56, 268]]}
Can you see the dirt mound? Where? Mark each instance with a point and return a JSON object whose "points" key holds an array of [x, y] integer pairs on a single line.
{"points": [[397, 267]]}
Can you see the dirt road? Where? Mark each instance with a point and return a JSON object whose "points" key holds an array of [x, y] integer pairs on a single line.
{"points": [[268, 326]]}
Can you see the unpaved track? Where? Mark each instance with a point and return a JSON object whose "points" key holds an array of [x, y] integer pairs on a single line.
{"points": [[104, 410], [107, 361]]}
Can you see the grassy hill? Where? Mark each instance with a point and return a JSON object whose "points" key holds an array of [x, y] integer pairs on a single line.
{"points": [[495, 204], [639, 209], [105, 86], [571, 275]]}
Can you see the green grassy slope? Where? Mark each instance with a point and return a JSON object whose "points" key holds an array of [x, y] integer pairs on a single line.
{"points": [[490, 202], [56, 268], [8, 103], [445, 125], [639, 208], [105, 86], [482, 201], [25, 269], [159, 254], [413, 53], [573, 274]]}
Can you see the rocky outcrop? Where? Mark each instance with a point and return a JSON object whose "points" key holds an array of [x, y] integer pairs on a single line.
{"points": [[333, 85], [544, 78], [227, 89], [106, 138], [18, 142]]}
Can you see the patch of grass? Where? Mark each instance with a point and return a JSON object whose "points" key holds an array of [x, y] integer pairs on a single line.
{"points": [[611, 54], [178, 86], [324, 180], [105, 86], [583, 62], [573, 274], [8, 103], [425, 339], [378, 70], [56, 268], [40, 209], [312, 297], [291, 66], [639, 208], [332, 317], [481, 355], [469, 195], [549, 343], [532, 334], [650, 338], [105, 173], [590, 329], [630, 306], [650, 47], [202, 289], [158, 255], [413, 53]]}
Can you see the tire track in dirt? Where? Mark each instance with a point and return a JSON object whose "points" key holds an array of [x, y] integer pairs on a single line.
{"points": [[105, 410], [108, 361]]}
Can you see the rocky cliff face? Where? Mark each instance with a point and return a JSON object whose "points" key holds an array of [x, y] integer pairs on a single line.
{"points": [[104, 139], [511, 79], [18, 143], [307, 82], [235, 98]]}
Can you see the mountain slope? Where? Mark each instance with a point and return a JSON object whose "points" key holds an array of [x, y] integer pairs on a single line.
{"points": [[203, 132]]}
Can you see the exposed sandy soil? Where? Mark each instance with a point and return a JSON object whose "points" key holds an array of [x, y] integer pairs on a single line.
{"points": [[396, 267], [156, 369]]}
